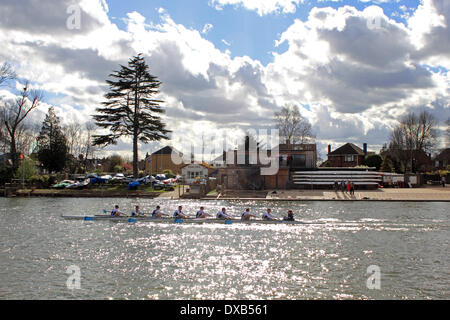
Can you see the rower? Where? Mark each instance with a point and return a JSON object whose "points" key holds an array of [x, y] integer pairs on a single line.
{"points": [[223, 215], [179, 213], [157, 213], [268, 215], [290, 216], [116, 212], [247, 215], [201, 214], [136, 212]]}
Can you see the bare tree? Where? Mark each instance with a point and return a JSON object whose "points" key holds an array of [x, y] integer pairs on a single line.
{"points": [[14, 114], [293, 126], [6, 73], [413, 133], [73, 133], [88, 149]]}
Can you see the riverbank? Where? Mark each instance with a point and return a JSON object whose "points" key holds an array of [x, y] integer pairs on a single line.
{"points": [[437, 194], [424, 194], [86, 193]]}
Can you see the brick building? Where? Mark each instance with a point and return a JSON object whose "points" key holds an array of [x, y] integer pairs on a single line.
{"points": [[236, 175], [347, 156], [442, 160], [162, 160]]}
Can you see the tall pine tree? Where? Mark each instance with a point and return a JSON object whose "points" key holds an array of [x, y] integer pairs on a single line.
{"points": [[51, 144], [130, 109]]}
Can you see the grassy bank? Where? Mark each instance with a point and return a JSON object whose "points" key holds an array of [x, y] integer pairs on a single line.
{"points": [[92, 192]]}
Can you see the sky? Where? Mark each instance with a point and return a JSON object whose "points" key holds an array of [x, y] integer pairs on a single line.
{"points": [[353, 67]]}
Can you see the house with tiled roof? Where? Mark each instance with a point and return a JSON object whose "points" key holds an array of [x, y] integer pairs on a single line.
{"points": [[167, 158], [346, 156]]}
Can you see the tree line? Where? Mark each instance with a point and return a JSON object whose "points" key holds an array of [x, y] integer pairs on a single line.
{"points": [[132, 109], [129, 109]]}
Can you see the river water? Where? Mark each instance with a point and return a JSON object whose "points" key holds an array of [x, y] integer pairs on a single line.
{"points": [[408, 243]]}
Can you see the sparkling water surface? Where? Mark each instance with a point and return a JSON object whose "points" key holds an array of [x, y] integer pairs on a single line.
{"points": [[409, 242]]}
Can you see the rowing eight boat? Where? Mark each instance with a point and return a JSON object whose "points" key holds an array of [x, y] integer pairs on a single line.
{"points": [[187, 220]]}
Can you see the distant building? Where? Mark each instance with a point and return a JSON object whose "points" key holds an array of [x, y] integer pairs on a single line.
{"points": [[420, 162], [347, 156], [219, 162], [162, 160], [442, 160], [240, 173], [195, 171], [298, 156]]}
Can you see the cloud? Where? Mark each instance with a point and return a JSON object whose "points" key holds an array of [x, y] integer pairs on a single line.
{"points": [[225, 42], [262, 7], [353, 73], [430, 25], [206, 28]]}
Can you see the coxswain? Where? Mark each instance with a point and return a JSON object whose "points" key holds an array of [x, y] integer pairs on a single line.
{"points": [[290, 216]]}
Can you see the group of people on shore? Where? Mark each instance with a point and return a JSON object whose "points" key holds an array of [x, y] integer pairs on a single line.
{"points": [[201, 214], [348, 186]]}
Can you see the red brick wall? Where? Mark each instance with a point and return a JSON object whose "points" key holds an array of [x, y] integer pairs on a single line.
{"points": [[339, 161]]}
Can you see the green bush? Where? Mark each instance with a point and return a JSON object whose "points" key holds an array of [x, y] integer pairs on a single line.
{"points": [[27, 169], [118, 168], [374, 160], [169, 174]]}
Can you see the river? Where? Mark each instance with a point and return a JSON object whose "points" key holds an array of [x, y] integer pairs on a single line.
{"points": [[365, 250]]}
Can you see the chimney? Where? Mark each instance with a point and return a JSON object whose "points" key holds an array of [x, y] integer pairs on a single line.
{"points": [[329, 148], [365, 148]]}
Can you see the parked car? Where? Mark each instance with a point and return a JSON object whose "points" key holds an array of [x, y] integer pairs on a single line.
{"points": [[117, 177]]}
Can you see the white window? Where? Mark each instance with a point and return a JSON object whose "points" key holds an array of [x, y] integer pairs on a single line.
{"points": [[349, 158]]}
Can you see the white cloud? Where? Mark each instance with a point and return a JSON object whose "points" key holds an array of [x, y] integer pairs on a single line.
{"points": [[352, 81], [262, 7], [206, 28]]}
